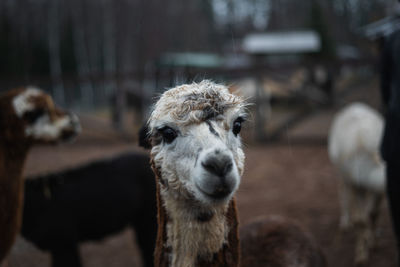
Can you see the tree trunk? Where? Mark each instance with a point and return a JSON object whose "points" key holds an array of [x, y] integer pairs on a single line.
{"points": [[95, 43], [53, 34], [81, 54], [109, 55]]}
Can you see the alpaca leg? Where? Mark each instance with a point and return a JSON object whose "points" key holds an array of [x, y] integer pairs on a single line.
{"points": [[345, 205], [146, 233], [66, 256], [361, 211], [374, 217]]}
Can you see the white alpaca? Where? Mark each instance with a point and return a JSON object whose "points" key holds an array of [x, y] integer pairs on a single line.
{"points": [[353, 148], [198, 161]]}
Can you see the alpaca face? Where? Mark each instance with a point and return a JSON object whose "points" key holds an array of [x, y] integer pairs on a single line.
{"points": [[196, 142], [42, 122]]}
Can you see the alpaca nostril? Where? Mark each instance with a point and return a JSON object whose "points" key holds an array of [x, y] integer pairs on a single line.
{"points": [[228, 168], [210, 166], [218, 166]]}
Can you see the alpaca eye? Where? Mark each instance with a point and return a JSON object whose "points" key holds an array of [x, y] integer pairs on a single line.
{"points": [[168, 134], [32, 116], [237, 126]]}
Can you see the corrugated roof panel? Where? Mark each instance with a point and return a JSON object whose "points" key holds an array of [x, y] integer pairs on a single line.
{"points": [[282, 42]]}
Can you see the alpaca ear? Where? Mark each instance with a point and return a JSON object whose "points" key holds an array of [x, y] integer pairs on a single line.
{"points": [[144, 138]]}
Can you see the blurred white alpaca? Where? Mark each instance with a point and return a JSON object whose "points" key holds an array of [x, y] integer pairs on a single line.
{"points": [[353, 147]]}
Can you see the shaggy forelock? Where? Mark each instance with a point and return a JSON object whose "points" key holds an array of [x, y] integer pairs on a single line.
{"points": [[194, 103]]}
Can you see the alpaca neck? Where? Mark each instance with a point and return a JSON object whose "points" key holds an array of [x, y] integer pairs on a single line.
{"points": [[11, 194], [12, 160], [188, 238]]}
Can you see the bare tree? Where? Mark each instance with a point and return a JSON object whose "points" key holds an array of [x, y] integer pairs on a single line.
{"points": [[53, 34], [110, 63], [82, 57]]}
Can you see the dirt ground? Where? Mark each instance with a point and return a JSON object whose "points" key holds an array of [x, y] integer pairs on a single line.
{"points": [[288, 178]]}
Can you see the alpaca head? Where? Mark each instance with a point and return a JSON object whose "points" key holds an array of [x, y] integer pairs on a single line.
{"points": [[196, 147], [30, 116]]}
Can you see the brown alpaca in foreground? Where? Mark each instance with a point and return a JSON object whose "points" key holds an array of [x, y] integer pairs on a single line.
{"points": [[27, 117], [198, 162]]}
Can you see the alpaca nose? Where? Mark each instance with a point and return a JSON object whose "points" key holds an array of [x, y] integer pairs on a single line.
{"points": [[218, 163], [72, 129], [75, 122]]}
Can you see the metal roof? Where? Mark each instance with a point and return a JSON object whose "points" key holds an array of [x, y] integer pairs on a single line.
{"points": [[191, 59], [282, 42], [381, 28]]}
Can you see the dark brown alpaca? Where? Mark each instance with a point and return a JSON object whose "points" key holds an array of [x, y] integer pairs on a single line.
{"points": [[274, 241], [27, 116], [198, 162]]}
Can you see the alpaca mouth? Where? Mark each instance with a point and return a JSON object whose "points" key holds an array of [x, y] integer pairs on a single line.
{"points": [[68, 135], [218, 194]]}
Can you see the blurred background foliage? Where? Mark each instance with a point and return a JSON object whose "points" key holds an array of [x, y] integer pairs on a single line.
{"points": [[138, 31], [88, 49]]}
